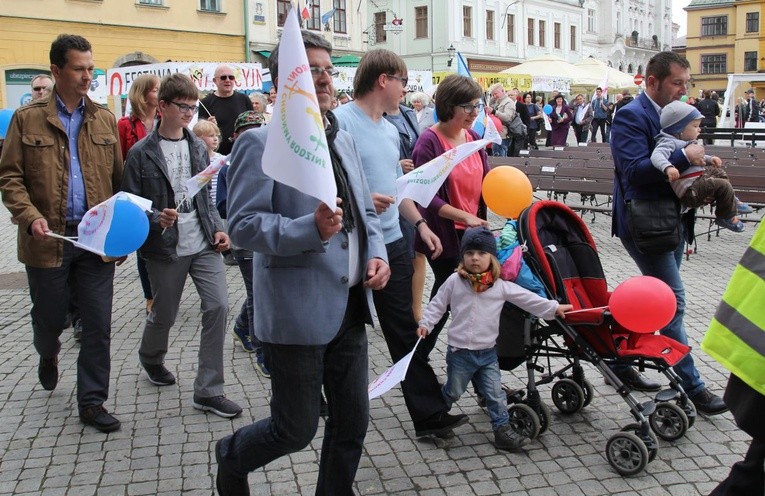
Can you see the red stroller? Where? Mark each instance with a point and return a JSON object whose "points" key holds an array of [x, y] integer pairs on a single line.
{"points": [[562, 253]]}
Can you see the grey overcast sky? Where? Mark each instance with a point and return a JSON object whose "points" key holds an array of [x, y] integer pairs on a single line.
{"points": [[679, 15]]}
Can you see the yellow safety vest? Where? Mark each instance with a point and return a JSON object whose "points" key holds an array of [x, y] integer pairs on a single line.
{"points": [[736, 336]]}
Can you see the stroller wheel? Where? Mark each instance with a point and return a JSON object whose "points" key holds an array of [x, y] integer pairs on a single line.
{"points": [[524, 420], [626, 453], [589, 392], [543, 412], [690, 411], [568, 396], [651, 444], [669, 421]]}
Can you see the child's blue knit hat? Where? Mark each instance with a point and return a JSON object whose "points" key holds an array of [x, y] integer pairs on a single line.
{"points": [[478, 238], [676, 115]]}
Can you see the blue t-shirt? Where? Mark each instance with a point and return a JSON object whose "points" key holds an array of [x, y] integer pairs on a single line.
{"points": [[378, 145]]}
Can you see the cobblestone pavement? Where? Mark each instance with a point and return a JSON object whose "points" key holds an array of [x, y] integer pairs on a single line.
{"points": [[165, 446]]}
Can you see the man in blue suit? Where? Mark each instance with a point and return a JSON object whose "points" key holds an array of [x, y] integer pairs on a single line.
{"points": [[313, 271], [632, 142]]}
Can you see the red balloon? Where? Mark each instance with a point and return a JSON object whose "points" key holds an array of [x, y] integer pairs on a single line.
{"points": [[643, 304]]}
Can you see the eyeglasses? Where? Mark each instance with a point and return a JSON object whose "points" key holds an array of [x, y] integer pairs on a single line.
{"points": [[469, 108], [230, 77], [404, 80], [318, 72], [39, 88], [185, 108]]}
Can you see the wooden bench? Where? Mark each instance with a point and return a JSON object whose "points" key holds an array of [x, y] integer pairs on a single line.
{"points": [[751, 135]]}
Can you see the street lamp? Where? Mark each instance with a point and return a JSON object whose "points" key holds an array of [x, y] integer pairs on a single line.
{"points": [[451, 51]]}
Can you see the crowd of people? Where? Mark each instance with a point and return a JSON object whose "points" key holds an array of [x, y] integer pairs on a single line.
{"points": [[359, 260]]}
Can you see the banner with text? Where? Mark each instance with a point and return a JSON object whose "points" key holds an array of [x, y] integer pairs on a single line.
{"points": [[485, 79], [248, 76]]}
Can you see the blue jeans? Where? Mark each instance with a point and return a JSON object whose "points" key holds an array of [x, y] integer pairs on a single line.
{"points": [[245, 318], [500, 150], [482, 367], [666, 266], [297, 376]]}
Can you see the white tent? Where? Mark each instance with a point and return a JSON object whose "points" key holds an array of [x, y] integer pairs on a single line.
{"points": [[598, 70], [551, 72], [734, 80]]}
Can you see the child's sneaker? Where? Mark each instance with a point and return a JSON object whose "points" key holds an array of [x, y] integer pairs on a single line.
{"points": [[260, 363], [505, 438], [243, 336], [743, 208], [735, 226]]}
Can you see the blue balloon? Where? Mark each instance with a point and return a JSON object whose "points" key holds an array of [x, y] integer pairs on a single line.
{"points": [[128, 231], [5, 121], [547, 109]]}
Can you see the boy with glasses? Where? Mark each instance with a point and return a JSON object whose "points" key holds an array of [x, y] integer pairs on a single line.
{"points": [[185, 238], [224, 105]]}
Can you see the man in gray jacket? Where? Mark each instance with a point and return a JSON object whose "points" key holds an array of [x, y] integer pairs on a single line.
{"points": [[313, 271]]}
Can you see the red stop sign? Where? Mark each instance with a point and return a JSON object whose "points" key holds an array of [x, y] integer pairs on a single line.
{"points": [[638, 79]]}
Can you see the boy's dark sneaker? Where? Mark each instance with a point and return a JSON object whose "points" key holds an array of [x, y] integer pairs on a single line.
{"points": [[159, 375], [77, 329], [260, 363], [505, 438], [219, 405], [243, 337]]}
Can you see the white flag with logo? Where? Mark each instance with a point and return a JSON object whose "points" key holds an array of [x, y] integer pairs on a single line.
{"points": [[422, 184], [392, 376], [296, 152]]}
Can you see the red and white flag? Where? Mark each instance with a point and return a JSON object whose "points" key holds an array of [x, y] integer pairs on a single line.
{"points": [[306, 13]]}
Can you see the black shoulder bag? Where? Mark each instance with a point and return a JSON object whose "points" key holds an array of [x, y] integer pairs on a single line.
{"points": [[653, 224]]}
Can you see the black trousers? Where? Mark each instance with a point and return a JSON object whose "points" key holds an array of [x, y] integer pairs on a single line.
{"points": [[422, 391], [746, 477], [93, 286]]}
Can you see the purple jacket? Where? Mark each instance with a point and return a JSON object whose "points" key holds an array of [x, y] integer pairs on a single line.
{"points": [[427, 148]]}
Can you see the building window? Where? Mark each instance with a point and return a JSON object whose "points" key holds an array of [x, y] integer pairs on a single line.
{"points": [[338, 20], [542, 32], [531, 32], [380, 35], [282, 7], [314, 22], [209, 5], [421, 22], [618, 23], [511, 28], [591, 20], [573, 38], [150, 2], [750, 61], [490, 25], [714, 64], [714, 26], [752, 22], [556, 35], [467, 21]]}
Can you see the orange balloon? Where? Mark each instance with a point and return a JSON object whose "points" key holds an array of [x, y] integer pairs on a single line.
{"points": [[507, 191]]}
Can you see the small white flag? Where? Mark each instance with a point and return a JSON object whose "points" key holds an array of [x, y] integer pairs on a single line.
{"points": [[392, 376], [196, 183], [296, 152], [422, 184]]}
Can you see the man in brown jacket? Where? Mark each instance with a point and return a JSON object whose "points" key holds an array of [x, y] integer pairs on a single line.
{"points": [[62, 157]]}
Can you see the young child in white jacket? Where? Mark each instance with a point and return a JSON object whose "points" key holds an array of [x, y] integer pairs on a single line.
{"points": [[476, 295]]}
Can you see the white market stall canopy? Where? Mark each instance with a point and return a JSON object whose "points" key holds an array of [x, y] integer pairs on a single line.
{"points": [[727, 118], [601, 72], [549, 72]]}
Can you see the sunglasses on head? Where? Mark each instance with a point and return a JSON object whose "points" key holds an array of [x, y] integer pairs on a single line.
{"points": [[230, 77]]}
